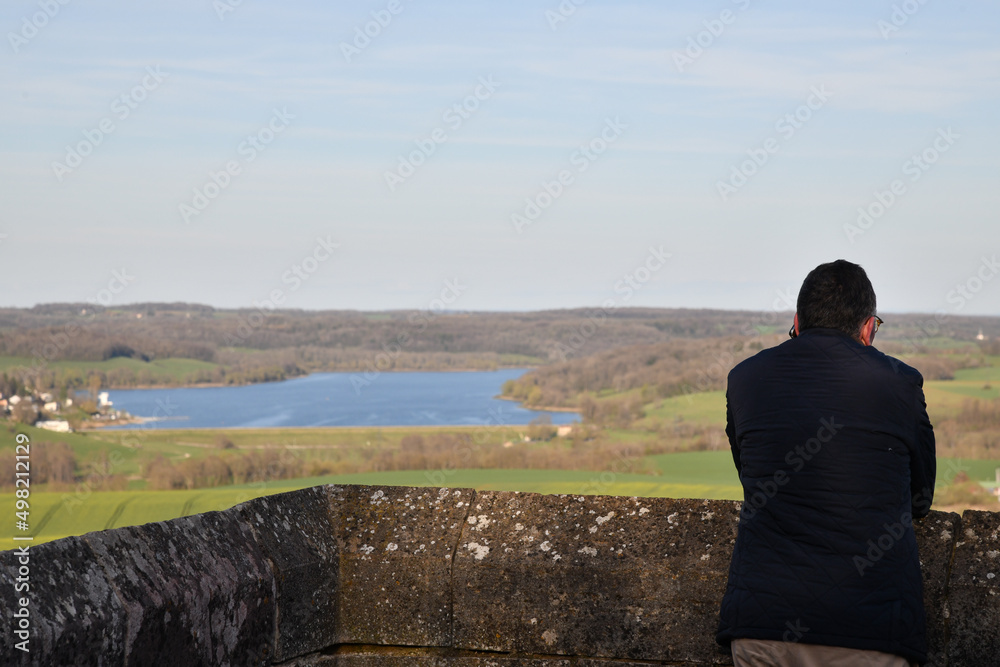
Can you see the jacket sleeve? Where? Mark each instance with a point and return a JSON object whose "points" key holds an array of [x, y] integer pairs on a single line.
{"points": [[731, 434], [923, 464]]}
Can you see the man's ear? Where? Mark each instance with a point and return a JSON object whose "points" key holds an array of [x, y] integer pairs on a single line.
{"points": [[795, 322], [866, 331]]}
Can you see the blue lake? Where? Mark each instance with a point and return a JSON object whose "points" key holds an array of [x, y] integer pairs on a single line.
{"points": [[331, 399]]}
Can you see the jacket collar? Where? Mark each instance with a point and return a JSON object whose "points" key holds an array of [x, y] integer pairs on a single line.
{"points": [[823, 331]]}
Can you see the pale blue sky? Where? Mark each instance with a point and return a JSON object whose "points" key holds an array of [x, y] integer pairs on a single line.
{"points": [[673, 131]]}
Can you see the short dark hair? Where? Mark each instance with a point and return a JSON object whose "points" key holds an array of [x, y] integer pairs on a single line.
{"points": [[837, 295]]}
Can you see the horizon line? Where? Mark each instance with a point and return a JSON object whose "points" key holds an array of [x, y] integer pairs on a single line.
{"points": [[180, 304]]}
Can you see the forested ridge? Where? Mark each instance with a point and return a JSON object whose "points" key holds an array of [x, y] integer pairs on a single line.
{"points": [[67, 345], [686, 366]]}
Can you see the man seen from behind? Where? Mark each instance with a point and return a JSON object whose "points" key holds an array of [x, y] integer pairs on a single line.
{"points": [[835, 452]]}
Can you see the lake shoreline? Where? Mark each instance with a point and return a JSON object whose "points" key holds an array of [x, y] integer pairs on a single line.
{"points": [[539, 408], [211, 385], [397, 427], [335, 399]]}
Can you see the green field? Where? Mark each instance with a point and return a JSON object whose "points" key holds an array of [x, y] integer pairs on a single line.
{"points": [[945, 397], [981, 374], [170, 370], [708, 408], [135, 448], [682, 475]]}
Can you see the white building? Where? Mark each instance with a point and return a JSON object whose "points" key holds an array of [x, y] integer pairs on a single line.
{"points": [[51, 406], [103, 401], [57, 425]]}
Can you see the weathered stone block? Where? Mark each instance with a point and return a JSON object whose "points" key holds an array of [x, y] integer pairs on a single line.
{"points": [[296, 534], [404, 658], [75, 616], [197, 590], [936, 535], [374, 656], [626, 578], [396, 548], [974, 592]]}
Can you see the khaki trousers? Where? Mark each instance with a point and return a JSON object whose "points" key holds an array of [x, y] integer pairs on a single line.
{"points": [[774, 653]]}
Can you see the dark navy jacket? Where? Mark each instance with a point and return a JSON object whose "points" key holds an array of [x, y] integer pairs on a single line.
{"points": [[836, 456]]}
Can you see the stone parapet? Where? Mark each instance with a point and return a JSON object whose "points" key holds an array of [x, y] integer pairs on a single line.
{"points": [[378, 575]]}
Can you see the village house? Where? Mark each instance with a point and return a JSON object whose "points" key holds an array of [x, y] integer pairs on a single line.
{"points": [[57, 425]]}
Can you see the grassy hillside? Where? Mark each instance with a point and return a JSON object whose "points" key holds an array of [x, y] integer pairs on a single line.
{"points": [[163, 370]]}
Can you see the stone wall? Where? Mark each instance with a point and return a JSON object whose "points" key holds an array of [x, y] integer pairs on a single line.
{"points": [[365, 576]]}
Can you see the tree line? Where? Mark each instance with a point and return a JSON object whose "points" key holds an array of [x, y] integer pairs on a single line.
{"points": [[439, 454], [685, 366], [244, 346]]}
